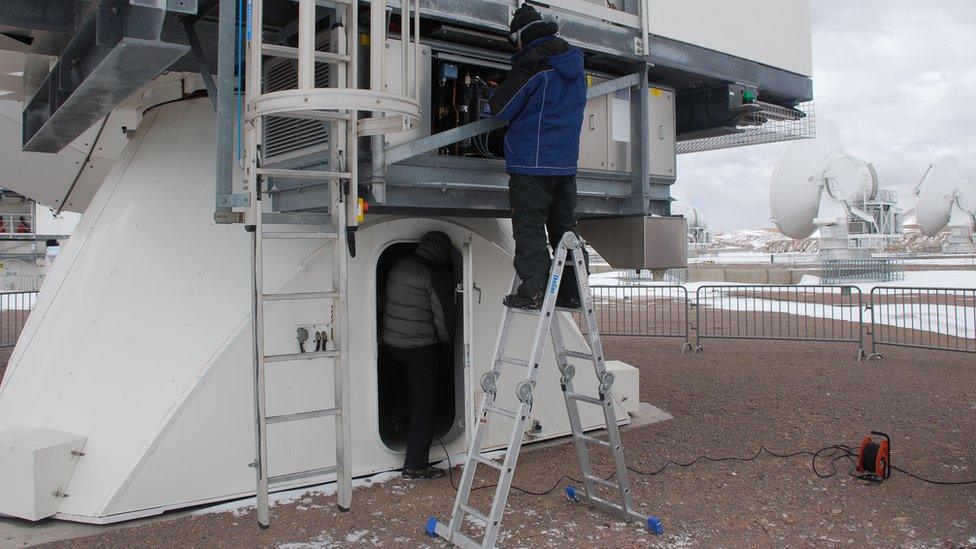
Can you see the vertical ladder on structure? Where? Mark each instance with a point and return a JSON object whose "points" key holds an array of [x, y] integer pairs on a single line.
{"points": [[328, 230], [616, 498]]}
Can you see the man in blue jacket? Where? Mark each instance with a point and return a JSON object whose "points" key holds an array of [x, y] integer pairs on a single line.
{"points": [[543, 98]]}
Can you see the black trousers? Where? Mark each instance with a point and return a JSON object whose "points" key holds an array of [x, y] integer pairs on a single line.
{"points": [[541, 205], [420, 365]]}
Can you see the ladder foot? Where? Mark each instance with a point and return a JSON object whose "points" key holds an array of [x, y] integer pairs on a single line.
{"points": [[655, 526], [571, 494], [343, 509], [430, 527], [264, 526]]}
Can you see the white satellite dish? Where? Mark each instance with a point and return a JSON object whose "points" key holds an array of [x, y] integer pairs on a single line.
{"points": [[805, 170], [941, 193], [699, 235], [817, 185]]}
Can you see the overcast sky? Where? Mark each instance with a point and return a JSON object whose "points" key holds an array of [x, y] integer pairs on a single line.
{"points": [[898, 78]]}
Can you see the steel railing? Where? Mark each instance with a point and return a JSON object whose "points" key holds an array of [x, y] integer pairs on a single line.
{"points": [[925, 318], [642, 311], [14, 310], [773, 312], [840, 271]]}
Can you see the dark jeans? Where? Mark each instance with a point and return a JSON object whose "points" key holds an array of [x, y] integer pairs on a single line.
{"points": [[541, 204], [420, 365]]}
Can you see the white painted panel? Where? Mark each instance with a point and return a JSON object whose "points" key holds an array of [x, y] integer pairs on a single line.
{"points": [[773, 32], [37, 464]]}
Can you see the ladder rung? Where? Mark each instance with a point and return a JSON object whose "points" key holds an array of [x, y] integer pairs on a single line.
{"points": [[593, 440], [474, 513], [602, 481], [302, 415], [577, 354], [321, 116], [289, 52], [307, 236], [514, 361], [300, 356], [489, 462], [529, 312], [501, 411], [300, 295], [303, 474], [302, 174], [584, 398]]}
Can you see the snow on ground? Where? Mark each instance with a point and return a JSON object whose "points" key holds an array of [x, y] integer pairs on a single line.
{"points": [[17, 301], [241, 506]]}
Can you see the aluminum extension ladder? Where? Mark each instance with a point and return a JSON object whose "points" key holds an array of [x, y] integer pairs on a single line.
{"points": [[326, 228], [619, 488]]}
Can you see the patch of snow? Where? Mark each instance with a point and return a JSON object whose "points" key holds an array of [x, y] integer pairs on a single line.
{"points": [[356, 537], [323, 541], [242, 506]]}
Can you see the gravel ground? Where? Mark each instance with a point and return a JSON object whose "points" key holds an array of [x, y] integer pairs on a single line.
{"points": [[728, 401]]}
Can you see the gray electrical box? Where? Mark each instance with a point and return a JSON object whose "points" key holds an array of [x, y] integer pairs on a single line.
{"points": [[662, 138], [642, 242]]}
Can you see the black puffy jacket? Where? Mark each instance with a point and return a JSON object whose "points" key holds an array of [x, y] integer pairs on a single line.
{"points": [[418, 309]]}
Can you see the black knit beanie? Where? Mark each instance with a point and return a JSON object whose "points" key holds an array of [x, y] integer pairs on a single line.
{"points": [[528, 24]]}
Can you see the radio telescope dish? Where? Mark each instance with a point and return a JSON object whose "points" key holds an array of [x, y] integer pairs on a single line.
{"points": [[817, 185], [941, 186], [803, 171]]}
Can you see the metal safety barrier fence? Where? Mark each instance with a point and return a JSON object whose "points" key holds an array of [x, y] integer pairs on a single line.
{"points": [[772, 312], [642, 311], [14, 309], [925, 318]]}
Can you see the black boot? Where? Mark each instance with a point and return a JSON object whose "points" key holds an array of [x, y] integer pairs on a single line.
{"points": [[517, 301], [430, 473]]}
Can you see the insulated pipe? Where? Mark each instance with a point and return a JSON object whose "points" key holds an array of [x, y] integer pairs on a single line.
{"points": [[416, 51], [404, 46], [377, 45]]}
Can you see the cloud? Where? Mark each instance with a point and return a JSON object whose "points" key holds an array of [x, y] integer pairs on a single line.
{"points": [[897, 77]]}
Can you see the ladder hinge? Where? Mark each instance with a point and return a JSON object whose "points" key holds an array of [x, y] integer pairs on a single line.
{"points": [[524, 393], [488, 383]]}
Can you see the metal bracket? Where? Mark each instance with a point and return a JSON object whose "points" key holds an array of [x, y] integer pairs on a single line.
{"points": [[380, 125], [229, 217], [241, 200]]}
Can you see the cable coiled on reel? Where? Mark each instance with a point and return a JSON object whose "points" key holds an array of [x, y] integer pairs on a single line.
{"points": [[874, 458]]}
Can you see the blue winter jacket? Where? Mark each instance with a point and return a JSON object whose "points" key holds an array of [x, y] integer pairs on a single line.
{"points": [[543, 98]]}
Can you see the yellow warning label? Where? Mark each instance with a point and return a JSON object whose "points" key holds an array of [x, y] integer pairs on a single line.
{"points": [[363, 39], [589, 80], [656, 92]]}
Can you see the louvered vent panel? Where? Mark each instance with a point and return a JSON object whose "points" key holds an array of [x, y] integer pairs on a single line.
{"points": [[290, 136]]}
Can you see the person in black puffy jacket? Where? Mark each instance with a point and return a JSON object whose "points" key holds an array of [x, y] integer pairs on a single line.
{"points": [[418, 316], [543, 98]]}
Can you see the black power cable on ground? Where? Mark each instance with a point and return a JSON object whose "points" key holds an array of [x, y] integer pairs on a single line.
{"points": [[832, 454]]}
